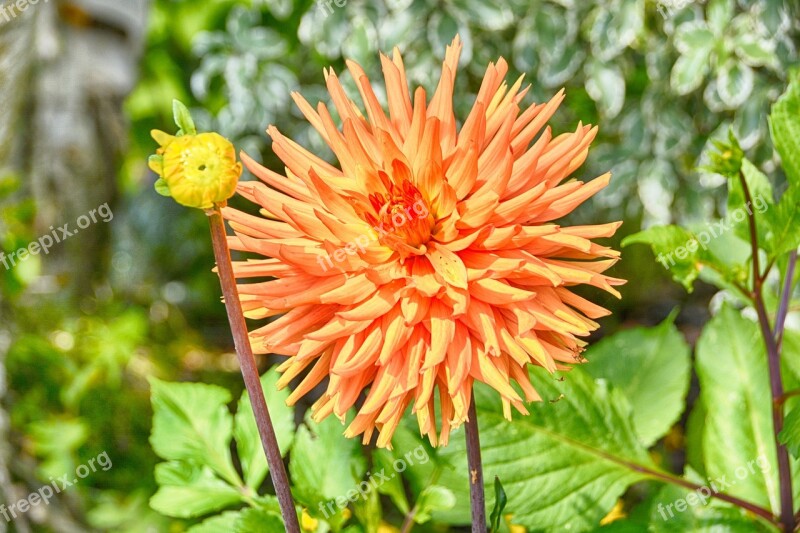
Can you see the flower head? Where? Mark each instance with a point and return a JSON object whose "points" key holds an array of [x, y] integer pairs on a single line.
{"points": [[429, 258], [197, 170]]}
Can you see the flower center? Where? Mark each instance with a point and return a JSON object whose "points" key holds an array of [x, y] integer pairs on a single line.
{"points": [[403, 220]]}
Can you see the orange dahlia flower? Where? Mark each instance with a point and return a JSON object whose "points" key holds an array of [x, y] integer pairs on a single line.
{"points": [[429, 259]]}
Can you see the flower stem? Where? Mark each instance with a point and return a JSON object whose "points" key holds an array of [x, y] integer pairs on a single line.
{"points": [[774, 363], [247, 361], [476, 494]]}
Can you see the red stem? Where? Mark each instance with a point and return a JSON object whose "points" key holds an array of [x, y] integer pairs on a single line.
{"points": [[476, 495], [247, 361], [774, 363]]}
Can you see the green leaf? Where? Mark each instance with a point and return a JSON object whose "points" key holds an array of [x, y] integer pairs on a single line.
{"points": [[493, 15], [605, 85], [433, 498], [719, 14], [693, 437], [735, 390], [762, 201], [784, 224], [694, 37], [191, 422], [758, 184], [223, 523], [162, 188], [258, 521], [755, 51], [183, 119], [689, 71], [673, 249], [368, 511], [334, 479], [734, 83], [500, 500], [565, 465], [248, 441], [695, 516], [188, 491], [393, 487], [784, 122], [651, 367], [790, 435]]}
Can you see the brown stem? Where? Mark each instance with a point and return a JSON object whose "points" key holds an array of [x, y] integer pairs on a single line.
{"points": [[675, 480], [247, 361], [774, 363], [408, 523], [476, 494]]}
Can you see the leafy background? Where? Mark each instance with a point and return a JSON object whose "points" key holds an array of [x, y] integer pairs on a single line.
{"points": [[80, 365]]}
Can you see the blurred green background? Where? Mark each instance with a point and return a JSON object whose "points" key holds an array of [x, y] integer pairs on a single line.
{"points": [[83, 82]]}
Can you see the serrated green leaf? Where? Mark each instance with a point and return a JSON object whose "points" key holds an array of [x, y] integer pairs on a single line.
{"points": [[784, 121], [191, 422], [784, 224], [323, 481], [563, 466], [188, 492], [735, 390], [245, 432], [651, 367], [258, 521]]}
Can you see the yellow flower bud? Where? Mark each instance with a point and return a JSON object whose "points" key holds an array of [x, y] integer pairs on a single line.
{"points": [[199, 170], [307, 522]]}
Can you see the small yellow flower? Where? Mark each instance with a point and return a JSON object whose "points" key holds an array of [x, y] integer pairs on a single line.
{"points": [[616, 513], [199, 170], [307, 522]]}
